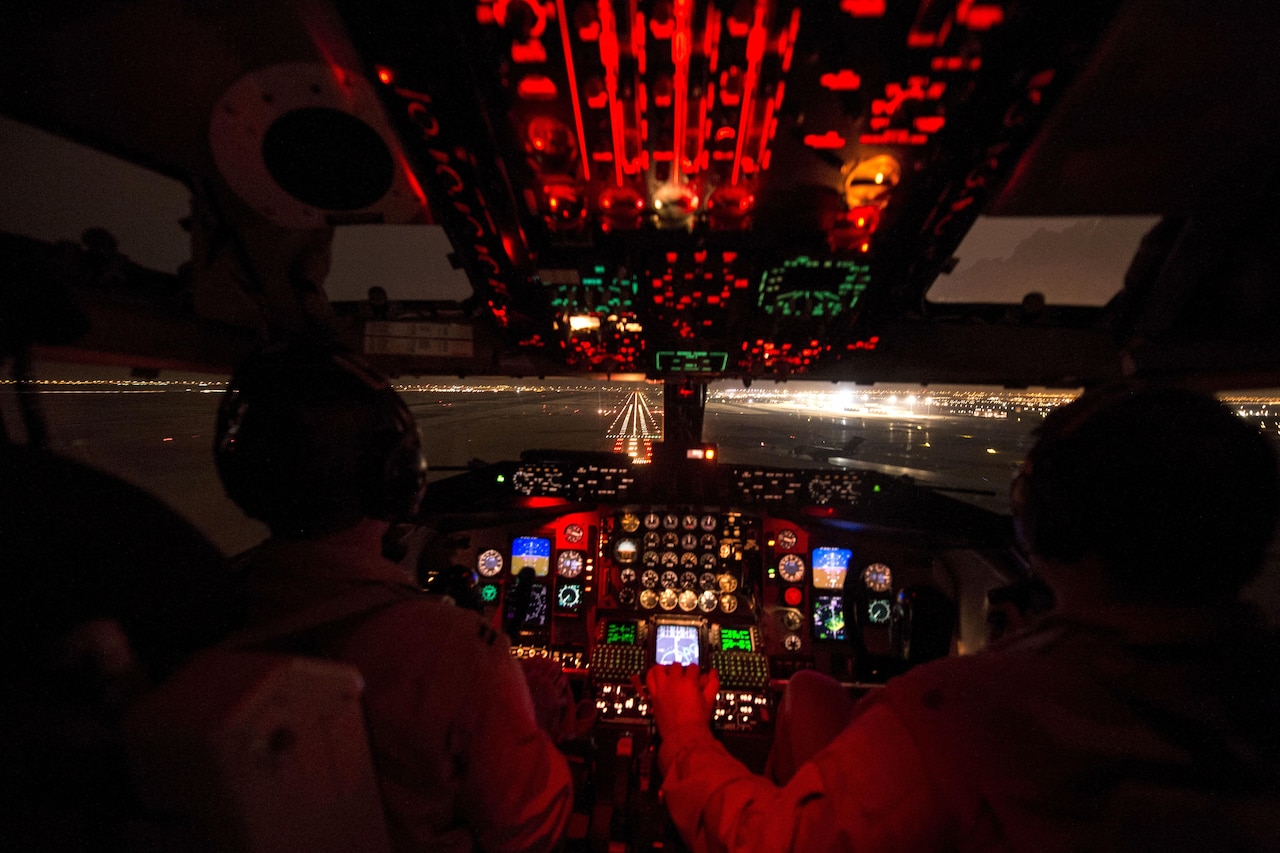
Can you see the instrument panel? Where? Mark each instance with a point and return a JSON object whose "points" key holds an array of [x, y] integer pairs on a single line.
{"points": [[784, 571]]}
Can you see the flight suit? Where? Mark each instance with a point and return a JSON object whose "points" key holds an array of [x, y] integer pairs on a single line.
{"points": [[461, 762], [1136, 728]]}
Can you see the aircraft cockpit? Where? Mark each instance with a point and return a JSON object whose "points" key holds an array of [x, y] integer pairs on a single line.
{"points": [[668, 202]]}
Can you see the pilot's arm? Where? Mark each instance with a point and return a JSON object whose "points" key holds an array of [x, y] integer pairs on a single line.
{"points": [[516, 789], [868, 790]]}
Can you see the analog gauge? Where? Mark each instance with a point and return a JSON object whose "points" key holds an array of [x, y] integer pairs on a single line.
{"points": [[627, 575], [688, 600], [792, 642], [489, 563], [573, 533], [689, 522], [726, 582], [689, 541], [569, 596], [648, 599], [709, 542], [652, 520], [786, 539], [651, 540], [649, 579], [728, 602], [708, 561], [668, 598], [878, 577], [688, 580], [627, 597], [670, 521], [791, 620], [821, 489], [791, 568], [708, 601], [669, 559], [706, 580], [689, 560], [624, 551], [649, 558], [726, 550], [671, 541], [629, 522], [879, 611], [709, 523], [569, 564], [669, 579]]}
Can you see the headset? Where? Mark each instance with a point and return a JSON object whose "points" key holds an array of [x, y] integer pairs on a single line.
{"points": [[1170, 489], [310, 439]]}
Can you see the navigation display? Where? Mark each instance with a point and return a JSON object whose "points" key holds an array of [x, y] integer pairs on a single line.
{"points": [[531, 552], [735, 639], [828, 617], [536, 615], [676, 644], [830, 565]]}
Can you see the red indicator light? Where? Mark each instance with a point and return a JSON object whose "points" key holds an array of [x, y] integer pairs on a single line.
{"points": [[979, 17], [385, 76], [863, 8], [536, 87], [792, 596], [930, 124], [827, 140], [844, 80]]}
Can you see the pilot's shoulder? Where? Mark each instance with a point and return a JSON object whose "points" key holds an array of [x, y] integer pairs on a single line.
{"points": [[431, 619]]}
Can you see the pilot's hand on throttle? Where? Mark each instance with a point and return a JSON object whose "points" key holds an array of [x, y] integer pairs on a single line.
{"points": [[681, 695]]}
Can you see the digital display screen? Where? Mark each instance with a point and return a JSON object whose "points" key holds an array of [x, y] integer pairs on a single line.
{"points": [[735, 639], [676, 644], [620, 633], [531, 552], [828, 617], [568, 596], [536, 614], [830, 565]]}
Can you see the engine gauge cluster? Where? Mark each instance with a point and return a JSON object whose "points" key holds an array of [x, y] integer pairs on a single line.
{"points": [[689, 560]]}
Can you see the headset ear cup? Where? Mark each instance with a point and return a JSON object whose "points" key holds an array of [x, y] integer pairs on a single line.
{"points": [[311, 438], [404, 476], [1047, 503]]}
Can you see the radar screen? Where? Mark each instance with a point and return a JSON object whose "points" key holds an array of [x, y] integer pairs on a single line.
{"points": [[828, 617]]}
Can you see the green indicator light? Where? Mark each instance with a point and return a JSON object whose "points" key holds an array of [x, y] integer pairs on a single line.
{"points": [[597, 268], [502, 478], [875, 488], [488, 592]]}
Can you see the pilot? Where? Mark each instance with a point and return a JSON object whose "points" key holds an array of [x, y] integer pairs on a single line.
{"points": [[1141, 714], [315, 444]]}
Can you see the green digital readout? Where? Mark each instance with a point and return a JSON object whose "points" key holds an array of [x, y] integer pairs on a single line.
{"points": [[620, 633], [735, 639], [691, 361]]}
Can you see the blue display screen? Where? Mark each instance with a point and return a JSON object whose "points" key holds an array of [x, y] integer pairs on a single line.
{"points": [[830, 566], [531, 552]]}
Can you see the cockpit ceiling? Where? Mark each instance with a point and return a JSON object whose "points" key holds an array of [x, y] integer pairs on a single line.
{"points": [[751, 182], [754, 188]]}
